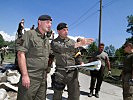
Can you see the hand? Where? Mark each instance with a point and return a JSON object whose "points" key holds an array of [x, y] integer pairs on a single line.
{"points": [[109, 72], [84, 42], [82, 63], [26, 81]]}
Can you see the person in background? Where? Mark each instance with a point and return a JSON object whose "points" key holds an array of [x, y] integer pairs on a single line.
{"points": [[20, 28], [98, 75], [64, 50], [33, 57], [17, 41], [33, 27], [127, 73], [3, 53]]}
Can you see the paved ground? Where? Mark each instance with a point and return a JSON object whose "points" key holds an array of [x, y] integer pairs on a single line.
{"points": [[108, 91]]}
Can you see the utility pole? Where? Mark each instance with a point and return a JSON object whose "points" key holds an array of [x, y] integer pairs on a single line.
{"points": [[100, 23]]}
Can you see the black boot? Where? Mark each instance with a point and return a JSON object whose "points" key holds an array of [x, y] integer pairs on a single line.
{"points": [[96, 94], [90, 94]]}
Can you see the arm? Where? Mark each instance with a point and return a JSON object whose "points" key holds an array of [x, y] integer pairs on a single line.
{"points": [[108, 64], [50, 61], [23, 69]]}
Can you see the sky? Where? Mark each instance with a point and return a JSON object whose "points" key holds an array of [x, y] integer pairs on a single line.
{"points": [[82, 17]]}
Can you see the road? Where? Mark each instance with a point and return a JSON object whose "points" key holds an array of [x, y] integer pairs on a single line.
{"points": [[108, 91]]}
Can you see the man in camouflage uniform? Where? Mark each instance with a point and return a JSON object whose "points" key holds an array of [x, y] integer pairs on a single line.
{"points": [[64, 50], [127, 73], [33, 55]]}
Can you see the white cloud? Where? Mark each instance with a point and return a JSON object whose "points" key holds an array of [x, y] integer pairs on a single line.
{"points": [[72, 37], [7, 37]]}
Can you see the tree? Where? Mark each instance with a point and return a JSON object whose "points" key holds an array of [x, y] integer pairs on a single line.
{"points": [[130, 24], [92, 48], [2, 42], [110, 50], [120, 54]]}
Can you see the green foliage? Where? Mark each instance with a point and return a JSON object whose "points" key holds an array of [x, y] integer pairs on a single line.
{"points": [[11, 44], [2, 42], [130, 24], [120, 54], [92, 48], [130, 39], [110, 50]]}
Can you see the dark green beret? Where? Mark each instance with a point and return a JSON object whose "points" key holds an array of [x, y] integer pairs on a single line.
{"points": [[45, 17]]}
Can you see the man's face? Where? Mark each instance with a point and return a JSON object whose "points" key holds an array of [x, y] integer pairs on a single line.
{"points": [[101, 48], [127, 49], [45, 25], [63, 33]]}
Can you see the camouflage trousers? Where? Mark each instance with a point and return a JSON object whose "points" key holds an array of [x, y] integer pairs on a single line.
{"points": [[37, 90], [127, 88], [71, 80]]}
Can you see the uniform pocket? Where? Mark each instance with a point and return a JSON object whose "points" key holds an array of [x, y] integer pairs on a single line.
{"points": [[36, 47]]}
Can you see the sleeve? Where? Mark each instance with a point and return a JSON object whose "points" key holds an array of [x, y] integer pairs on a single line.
{"points": [[24, 43], [78, 57]]}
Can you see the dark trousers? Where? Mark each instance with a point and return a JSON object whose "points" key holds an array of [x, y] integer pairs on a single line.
{"points": [[96, 76], [2, 58]]}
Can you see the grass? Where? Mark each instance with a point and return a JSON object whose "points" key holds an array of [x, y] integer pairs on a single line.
{"points": [[115, 73], [9, 58]]}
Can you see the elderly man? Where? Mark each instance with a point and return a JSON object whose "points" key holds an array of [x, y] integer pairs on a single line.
{"points": [[33, 55]]}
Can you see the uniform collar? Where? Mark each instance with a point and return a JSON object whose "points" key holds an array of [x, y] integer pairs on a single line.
{"points": [[39, 33], [66, 39]]}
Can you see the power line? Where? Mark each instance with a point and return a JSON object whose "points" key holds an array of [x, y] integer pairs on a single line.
{"points": [[84, 14], [79, 21], [110, 3]]}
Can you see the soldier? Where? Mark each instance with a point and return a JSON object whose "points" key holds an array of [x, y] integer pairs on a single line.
{"points": [[103, 56], [127, 73], [33, 55], [3, 52], [20, 28], [64, 50], [33, 27]]}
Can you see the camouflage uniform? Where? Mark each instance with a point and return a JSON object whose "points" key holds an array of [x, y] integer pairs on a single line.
{"points": [[127, 74], [64, 53], [36, 50]]}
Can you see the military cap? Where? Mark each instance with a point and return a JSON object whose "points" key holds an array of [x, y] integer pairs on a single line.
{"points": [[61, 26], [45, 17]]}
